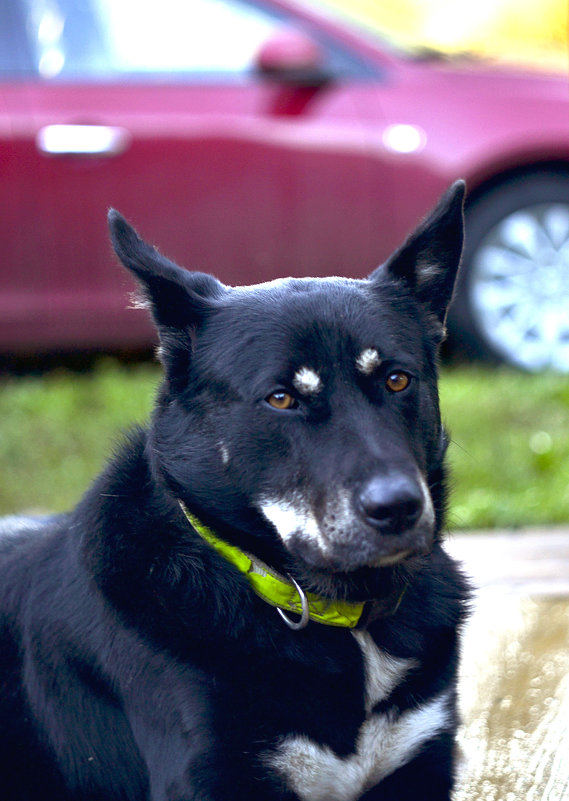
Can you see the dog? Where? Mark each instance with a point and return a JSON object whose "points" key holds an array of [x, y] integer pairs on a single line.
{"points": [[252, 602]]}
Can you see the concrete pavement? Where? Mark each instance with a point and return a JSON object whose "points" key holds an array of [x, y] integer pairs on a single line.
{"points": [[514, 685]]}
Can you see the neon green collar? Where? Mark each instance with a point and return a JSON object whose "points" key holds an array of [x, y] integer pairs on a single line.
{"points": [[277, 590]]}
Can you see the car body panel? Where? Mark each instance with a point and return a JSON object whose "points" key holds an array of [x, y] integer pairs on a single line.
{"points": [[248, 178]]}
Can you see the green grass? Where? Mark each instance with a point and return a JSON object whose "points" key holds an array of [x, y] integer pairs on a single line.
{"points": [[56, 431], [509, 452], [510, 447]]}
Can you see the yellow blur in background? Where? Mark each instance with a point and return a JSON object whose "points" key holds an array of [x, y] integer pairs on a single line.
{"points": [[533, 32]]}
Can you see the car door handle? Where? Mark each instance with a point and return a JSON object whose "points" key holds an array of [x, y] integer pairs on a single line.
{"points": [[82, 140]]}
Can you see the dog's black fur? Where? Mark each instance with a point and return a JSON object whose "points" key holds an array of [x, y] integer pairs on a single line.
{"points": [[137, 663]]}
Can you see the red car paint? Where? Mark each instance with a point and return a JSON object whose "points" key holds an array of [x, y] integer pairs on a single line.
{"points": [[270, 175]]}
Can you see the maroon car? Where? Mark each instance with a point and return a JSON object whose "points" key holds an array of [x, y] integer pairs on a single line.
{"points": [[254, 139]]}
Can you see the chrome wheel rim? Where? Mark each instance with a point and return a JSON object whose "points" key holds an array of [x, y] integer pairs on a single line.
{"points": [[520, 287]]}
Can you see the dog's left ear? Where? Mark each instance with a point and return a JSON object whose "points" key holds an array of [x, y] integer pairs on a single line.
{"points": [[428, 262]]}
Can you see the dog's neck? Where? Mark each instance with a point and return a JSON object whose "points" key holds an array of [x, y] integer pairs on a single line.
{"points": [[279, 591], [284, 593]]}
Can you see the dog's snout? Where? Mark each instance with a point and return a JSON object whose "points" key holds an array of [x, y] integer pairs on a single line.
{"points": [[392, 503]]}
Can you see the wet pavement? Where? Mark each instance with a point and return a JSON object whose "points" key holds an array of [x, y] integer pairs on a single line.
{"points": [[514, 685]]}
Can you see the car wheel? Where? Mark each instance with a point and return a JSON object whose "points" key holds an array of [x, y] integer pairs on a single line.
{"points": [[513, 296]]}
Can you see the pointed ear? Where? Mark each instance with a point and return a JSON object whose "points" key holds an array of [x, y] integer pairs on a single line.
{"points": [[176, 298], [428, 262]]}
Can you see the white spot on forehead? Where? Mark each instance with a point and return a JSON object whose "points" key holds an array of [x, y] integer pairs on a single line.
{"points": [[307, 381], [368, 361]]}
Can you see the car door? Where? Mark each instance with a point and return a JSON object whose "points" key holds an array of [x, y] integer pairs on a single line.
{"points": [[166, 117]]}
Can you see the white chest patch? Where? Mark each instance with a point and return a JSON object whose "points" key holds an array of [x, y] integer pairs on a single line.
{"points": [[384, 743], [383, 672]]}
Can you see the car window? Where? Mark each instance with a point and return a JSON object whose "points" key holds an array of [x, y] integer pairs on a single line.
{"points": [[209, 35], [15, 56], [133, 36], [105, 39]]}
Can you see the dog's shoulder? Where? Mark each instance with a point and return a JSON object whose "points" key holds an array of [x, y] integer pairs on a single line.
{"points": [[434, 606], [22, 536], [16, 528]]}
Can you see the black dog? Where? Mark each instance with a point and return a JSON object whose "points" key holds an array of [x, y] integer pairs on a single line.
{"points": [[251, 603]]}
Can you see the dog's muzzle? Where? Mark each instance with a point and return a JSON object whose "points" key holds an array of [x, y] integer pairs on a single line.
{"points": [[377, 523]]}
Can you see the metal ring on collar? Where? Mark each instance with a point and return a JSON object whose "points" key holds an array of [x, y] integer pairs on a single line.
{"points": [[305, 615]]}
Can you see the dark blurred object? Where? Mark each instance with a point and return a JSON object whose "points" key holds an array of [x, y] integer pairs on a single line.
{"points": [[255, 140]]}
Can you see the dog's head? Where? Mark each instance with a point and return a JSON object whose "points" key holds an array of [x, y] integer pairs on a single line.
{"points": [[300, 417]]}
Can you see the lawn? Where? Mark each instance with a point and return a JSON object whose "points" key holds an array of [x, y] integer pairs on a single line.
{"points": [[509, 451]]}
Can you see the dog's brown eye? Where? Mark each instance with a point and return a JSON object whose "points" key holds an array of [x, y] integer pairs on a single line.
{"points": [[281, 400], [397, 381]]}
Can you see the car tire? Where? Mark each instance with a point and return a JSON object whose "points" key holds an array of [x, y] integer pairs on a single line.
{"points": [[512, 302]]}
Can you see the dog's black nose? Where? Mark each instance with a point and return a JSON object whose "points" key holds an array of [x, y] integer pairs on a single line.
{"points": [[391, 503]]}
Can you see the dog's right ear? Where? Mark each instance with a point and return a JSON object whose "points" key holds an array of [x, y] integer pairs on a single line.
{"points": [[176, 298]]}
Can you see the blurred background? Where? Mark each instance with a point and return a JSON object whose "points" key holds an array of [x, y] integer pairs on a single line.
{"points": [[260, 138]]}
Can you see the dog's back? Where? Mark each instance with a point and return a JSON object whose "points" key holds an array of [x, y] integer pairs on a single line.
{"points": [[252, 600]]}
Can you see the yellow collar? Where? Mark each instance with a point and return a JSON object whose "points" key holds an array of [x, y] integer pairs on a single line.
{"points": [[277, 590]]}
